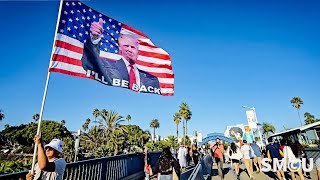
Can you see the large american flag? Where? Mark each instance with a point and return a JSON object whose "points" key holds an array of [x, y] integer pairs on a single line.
{"points": [[73, 31]]}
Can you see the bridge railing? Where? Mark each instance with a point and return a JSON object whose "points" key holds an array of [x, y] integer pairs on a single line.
{"points": [[115, 167], [313, 153]]}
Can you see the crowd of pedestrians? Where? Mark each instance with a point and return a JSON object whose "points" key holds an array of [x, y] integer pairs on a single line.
{"points": [[172, 162], [251, 155]]}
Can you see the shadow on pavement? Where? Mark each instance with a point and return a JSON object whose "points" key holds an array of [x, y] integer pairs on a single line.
{"points": [[214, 172]]}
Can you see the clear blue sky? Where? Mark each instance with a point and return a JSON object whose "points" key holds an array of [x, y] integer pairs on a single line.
{"points": [[225, 54]]}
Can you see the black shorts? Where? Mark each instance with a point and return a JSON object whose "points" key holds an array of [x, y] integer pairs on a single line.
{"points": [[217, 159], [235, 160]]}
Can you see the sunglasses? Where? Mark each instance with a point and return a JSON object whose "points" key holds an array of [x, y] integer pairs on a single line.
{"points": [[49, 148]]}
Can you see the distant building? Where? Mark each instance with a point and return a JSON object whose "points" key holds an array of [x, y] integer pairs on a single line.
{"points": [[156, 139]]}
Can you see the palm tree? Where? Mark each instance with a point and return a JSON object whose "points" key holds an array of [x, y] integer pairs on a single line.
{"points": [[86, 124], [110, 121], [177, 120], [36, 117], [154, 124], [186, 115], [297, 102], [63, 122], [309, 118], [128, 118], [1, 115], [267, 128], [96, 113]]}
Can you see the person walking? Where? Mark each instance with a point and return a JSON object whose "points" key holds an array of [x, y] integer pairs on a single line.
{"points": [[182, 157], [291, 156], [188, 149], [167, 166], [217, 152], [248, 155], [235, 155], [257, 158], [173, 152], [147, 164], [274, 152], [195, 154]]}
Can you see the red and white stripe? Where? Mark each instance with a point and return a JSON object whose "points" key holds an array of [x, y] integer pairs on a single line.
{"points": [[152, 59]]}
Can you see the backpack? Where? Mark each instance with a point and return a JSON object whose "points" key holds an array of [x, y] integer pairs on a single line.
{"points": [[165, 164]]}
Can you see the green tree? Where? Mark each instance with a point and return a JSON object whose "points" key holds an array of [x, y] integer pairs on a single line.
{"points": [[1, 115], [154, 124], [36, 117], [91, 140], [6, 126], [186, 140], [268, 128], [186, 114], [110, 121], [177, 120], [96, 113], [297, 102], [86, 124], [63, 122], [173, 141], [128, 118], [309, 118]]}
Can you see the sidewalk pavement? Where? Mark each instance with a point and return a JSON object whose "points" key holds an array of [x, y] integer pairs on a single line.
{"points": [[229, 174]]}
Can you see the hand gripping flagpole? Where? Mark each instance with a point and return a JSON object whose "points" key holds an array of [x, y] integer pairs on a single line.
{"points": [[45, 89]]}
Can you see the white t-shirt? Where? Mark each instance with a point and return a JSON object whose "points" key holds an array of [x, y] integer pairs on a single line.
{"points": [[60, 166], [247, 152], [288, 154]]}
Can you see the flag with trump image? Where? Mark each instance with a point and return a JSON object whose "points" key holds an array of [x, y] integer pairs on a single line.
{"points": [[91, 45]]}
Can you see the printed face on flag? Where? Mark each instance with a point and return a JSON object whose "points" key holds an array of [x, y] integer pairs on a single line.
{"points": [[128, 48], [91, 45]]}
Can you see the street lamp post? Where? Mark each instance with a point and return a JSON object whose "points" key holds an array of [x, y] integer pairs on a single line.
{"points": [[255, 116]]}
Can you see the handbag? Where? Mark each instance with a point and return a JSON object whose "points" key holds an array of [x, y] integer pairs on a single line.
{"points": [[174, 174]]}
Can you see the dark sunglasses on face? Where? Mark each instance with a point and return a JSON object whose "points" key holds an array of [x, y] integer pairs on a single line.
{"points": [[49, 148]]}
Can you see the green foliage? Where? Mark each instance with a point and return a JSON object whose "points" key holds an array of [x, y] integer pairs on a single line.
{"points": [[21, 138], [102, 151], [310, 118], [186, 140], [1, 115], [9, 164], [36, 117], [154, 124], [267, 128], [186, 114], [173, 141], [108, 137], [24, 133], [296, 102]]}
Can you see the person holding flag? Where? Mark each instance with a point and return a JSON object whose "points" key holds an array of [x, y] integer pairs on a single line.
{"points": [[50, 164]]}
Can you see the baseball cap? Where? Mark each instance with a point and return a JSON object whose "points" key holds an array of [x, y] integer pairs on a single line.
{"points": [[55, 144]]}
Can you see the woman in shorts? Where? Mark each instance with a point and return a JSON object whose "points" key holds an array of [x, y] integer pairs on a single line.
{"points": [[291, 155], [235, 155]]}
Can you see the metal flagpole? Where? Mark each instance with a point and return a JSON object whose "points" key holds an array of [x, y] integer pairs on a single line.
{"points": [[260, 136], [45, 89]]}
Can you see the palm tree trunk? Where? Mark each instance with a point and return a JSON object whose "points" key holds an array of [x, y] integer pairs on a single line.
{"points": [[177, 131], [184, 133], [154, 134], [266, 135], [186, 128], [299, 117]]}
